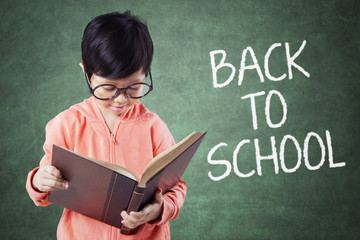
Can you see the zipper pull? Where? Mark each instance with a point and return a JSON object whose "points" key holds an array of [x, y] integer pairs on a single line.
{"points": [[112, 136]]}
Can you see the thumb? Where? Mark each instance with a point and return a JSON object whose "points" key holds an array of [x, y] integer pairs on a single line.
{"points": [[158, 195]]}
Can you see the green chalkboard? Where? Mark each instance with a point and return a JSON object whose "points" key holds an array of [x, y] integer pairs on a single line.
{"points": [[281, 157]]}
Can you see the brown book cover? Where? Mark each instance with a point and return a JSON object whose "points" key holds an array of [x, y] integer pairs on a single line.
{"points": [[102, 190]]}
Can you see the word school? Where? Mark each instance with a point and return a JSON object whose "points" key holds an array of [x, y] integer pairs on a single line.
{"points": [[277, 155]]}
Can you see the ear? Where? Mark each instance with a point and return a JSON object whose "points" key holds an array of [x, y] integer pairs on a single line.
{"points": [[82, 67]]}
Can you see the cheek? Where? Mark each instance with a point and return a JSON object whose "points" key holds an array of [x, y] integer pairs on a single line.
{"points": [[103, 104]]}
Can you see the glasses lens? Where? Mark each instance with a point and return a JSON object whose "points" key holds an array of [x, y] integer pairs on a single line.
{"points": [[105, 91], [138, 90]]}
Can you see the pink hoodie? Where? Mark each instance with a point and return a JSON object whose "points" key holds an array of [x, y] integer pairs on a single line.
{"points": [[138, 136]]}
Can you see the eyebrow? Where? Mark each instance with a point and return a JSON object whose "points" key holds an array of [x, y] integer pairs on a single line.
{"points": [[113, 81], [138, 80]]}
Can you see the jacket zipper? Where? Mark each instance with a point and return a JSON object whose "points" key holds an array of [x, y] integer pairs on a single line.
{"points": [[114, 231], [112, 148], [112, 160]]}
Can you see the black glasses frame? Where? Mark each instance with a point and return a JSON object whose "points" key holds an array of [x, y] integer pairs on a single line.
{"points": [[119, 90]]}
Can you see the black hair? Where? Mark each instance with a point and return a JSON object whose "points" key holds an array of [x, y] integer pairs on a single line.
{"points": [[115, 45]]}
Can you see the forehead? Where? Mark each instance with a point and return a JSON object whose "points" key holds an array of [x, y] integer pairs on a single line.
{"points": [[138, 76]]}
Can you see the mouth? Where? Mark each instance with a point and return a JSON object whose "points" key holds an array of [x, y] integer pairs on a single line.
{"points": [[118, 108]]}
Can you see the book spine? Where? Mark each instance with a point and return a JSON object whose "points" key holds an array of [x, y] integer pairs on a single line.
{"points": [[109, 196], [133, 207]]}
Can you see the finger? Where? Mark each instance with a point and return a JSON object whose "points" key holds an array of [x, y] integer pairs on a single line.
{"points": [[51, 181], [53, 184], [45, 188], [47, 175], [135, 214], [128, 224], [128, 221], [53, 171], [132, 215], [132, 224], [136, 219], [124, 214]]}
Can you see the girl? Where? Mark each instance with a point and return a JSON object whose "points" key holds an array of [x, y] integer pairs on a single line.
{"points": [[111, 125]]}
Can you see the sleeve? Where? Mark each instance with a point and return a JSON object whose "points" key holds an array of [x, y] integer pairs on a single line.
{"points": [[55, 134], [173, 199]]}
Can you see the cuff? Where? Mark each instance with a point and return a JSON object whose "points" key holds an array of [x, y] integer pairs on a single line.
{"points": [[39, 198], [167, 212], [173, 200]]}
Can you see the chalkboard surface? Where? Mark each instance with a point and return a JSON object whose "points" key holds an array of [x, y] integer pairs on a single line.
{"points": [[274, 83]]}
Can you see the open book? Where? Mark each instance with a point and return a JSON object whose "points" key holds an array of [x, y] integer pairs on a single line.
{"points": [[102, 190]]}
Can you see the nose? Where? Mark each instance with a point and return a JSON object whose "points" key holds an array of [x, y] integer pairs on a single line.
{"points": [[121, 97]]}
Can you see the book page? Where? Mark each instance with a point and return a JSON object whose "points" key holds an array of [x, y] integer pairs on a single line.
{"points": [[166, 157], [108, 165]]}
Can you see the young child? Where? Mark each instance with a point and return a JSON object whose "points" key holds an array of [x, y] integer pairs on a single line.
{"points": [[113, 126]]}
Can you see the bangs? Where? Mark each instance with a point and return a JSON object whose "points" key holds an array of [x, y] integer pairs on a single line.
{"points": [[116, 45]]}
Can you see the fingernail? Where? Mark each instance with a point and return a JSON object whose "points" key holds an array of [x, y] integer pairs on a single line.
{"points": [[66, 185]]}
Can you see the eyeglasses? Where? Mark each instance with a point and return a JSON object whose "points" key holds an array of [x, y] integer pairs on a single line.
{"points": [[109, 91]]}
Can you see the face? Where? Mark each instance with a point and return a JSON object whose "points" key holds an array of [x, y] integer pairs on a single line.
{"points": [[114, 107]]}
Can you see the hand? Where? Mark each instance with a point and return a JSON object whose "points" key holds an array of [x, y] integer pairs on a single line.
{"points": [[48, 178], [150, 212]]}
